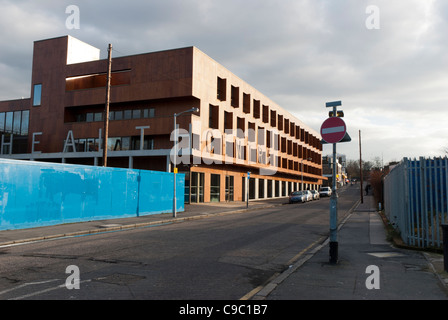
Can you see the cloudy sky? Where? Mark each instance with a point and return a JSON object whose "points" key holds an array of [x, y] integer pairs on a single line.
{"points": [[388, 63]]}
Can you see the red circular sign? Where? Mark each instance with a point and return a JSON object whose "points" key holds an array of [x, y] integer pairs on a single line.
{"points": [[333, 130]]}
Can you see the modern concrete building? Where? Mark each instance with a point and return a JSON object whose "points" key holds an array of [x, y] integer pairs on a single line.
{"points": [[236, 129]]}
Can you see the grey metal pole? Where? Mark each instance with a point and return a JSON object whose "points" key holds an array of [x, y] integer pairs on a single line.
{"points": [[247, 190], [360, 168], [334, 211], [175, 167], [445, 246], [175, 154]]}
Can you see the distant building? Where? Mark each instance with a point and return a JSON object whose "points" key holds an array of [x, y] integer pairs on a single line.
{"points": [[236, 130], [341, 170]]}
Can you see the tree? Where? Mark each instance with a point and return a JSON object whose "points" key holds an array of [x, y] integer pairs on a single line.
{"points": [[376, 181], [377, 163], [352, 169]]}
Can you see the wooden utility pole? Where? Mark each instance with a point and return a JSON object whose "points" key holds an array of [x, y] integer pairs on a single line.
{"points": [[360, 167], [106, 111]]}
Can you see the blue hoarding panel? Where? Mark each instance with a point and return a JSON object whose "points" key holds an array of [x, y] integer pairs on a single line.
{"points": [[156, 192], [38, 194]]}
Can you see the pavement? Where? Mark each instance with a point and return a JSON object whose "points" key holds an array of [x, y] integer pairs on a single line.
{"points": [[369, 266]]}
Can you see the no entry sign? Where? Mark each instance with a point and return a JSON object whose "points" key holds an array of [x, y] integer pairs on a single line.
{"points": [[333, 130]]}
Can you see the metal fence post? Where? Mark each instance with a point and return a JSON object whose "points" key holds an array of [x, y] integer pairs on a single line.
{"points": [[445, 246]]}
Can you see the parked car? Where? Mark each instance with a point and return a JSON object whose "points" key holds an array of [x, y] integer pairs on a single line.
{"points": [[297, 196], [325, 192], [315, 194], [309, 195]]}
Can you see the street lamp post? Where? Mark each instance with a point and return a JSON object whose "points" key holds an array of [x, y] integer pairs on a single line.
{"points": [[175, 154]]}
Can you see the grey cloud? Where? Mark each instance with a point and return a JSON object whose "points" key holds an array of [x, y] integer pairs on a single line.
{"points": [[299, 53]]}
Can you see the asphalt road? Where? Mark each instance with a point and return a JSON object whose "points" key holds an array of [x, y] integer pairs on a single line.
{"points": [[223, 257]]}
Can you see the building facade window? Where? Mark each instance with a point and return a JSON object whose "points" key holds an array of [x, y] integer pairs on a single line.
{"points": [[251, 189], [2, 121], [148, 143], [261, 188], [197, 187], [118, 143], [235, 97], [265, 114], [229, 188], [256, 110], [15, 122], [25, 123], [215, 182], [222, 86], [246, 102], [277, 188], [130, 114], [148, 113], [269, 191], [228, 120], [14, 125], [9, 122], [37, 95], [273, 118], [127, 114], [213, 117]]}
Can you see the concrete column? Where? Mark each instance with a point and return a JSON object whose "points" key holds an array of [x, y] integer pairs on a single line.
{"points": [[279, 188]]}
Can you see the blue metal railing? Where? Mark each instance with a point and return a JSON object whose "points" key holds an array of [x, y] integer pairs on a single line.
{"points": [[415, 196]]}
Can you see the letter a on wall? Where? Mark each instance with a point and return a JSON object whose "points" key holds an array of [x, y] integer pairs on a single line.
{"points": [[69, 142]]}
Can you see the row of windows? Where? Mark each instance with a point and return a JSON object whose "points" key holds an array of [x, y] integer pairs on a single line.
{"points": [[263, 156], [117, 115], [114, 144], [15, 122], [269, 189], [263, 136], [280, 144], [259, 111], [272, 188]]}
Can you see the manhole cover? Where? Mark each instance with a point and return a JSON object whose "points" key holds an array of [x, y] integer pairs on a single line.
{"points": [[121, 279]]}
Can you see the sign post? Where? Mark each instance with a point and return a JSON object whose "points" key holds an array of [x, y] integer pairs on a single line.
{"points": [[334, 130], [247, 189]]}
